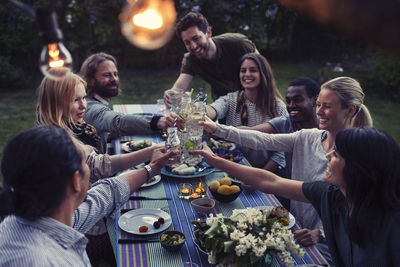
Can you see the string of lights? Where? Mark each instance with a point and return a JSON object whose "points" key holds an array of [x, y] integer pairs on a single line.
{"points": [[147, 24]]}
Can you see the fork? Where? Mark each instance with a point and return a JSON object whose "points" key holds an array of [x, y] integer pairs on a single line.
{"points": [[203, 168]]}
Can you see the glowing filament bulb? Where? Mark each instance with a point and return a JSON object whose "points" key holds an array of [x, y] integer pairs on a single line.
{"points": [[148, 24], [54, 55], [149, 19]]}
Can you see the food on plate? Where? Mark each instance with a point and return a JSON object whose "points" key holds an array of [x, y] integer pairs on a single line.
{"points": [[161, 220], [143, 229], [224, 186], [152, 179], [225, 180], [137, 145], [230, 157], [234, 189], [212, 143], [172, 239], [156, 224], [282, 214], [182, 166], [214, 185], [224, 190], [184, 169]]}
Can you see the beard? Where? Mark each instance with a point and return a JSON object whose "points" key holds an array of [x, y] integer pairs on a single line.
{"points": [[206, 48], [106, 90]]}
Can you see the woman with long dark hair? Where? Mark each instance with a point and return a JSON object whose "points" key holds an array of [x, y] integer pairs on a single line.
{"points": [[257, 102], [359, 201]]}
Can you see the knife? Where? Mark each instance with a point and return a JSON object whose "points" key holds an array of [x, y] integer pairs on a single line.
{"points": [[148, 198], [136, 240]]}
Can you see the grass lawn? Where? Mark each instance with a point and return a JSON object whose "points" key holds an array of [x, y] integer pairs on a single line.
{"points": [[17, 107]]}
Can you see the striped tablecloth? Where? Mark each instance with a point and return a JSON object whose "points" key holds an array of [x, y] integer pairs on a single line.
{"points": [[182, 214]]}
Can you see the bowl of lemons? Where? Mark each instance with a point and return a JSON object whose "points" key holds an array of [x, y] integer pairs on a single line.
{"points": [[225, 190]]}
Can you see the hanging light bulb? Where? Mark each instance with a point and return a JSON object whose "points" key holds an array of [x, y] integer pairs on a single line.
{"points": [[54, 54], [148, 24]]}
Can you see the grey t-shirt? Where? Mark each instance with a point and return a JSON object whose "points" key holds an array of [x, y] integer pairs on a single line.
{"points": [[284, 124]]}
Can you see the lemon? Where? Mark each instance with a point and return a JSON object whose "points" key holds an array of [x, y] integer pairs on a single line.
{"points": [[224, 190], [214, 185], [225, 181], [234, 189]]}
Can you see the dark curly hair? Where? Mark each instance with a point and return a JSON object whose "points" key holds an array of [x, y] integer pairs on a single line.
{"points": [[189, 20]]}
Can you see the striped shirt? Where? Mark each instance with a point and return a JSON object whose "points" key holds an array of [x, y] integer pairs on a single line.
{"points": [[48, 242], [225, 106]]}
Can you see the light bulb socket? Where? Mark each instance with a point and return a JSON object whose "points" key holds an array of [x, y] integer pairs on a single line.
{"points": [[49, 30]]}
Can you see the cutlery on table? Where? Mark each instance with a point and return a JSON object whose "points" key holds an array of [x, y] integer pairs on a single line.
{"points": [[122, 211], [204, 168], [148, 198], [137, 240]]}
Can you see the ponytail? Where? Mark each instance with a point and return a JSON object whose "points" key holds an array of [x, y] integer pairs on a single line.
{"points": [[362, 118]]}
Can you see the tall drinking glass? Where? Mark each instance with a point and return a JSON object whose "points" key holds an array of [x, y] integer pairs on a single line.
{"points": [[175, 102], [173, 142]]}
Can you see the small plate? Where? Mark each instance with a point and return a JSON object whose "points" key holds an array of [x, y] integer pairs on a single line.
{"points": [[165, 171], [236, 155], [126, 146], [156, 180], [292, 220], [132, 220], [232, 146]]}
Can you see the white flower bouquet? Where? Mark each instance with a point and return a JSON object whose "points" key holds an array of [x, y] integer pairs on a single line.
{"points": [[249, 237]]}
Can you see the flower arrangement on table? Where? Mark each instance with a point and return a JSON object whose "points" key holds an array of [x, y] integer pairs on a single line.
{"points": [[250, 236]]}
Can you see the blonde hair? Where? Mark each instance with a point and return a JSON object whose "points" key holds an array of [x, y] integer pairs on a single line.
{"points": [[351, 93], [55, 96]]}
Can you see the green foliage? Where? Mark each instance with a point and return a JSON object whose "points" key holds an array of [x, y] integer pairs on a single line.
{"points": [[386, 77], [10, 76]]}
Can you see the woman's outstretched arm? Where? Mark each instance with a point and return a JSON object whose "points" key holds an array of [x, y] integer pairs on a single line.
{"points": [[261, 179]]}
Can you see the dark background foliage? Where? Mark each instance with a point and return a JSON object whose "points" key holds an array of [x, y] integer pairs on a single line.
{"points": [[280, 34]]}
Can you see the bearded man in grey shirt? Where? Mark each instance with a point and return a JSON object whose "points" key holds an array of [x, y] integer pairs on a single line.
{"points": [[101, 75]]}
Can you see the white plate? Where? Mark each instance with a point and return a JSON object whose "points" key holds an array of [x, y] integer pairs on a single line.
{"points": [[233, 145], [156, 180], [126, 148], [132, 220], [292, 220], [167, 172]]}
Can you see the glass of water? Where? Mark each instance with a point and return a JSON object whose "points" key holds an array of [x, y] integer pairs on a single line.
{"points": [[161, 106]]}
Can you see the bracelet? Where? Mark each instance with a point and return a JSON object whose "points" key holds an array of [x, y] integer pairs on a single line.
{"points": [[322, 235], [149, 173]]}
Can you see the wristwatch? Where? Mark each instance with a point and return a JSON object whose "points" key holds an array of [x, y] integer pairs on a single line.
{"points": [[149, 173]]}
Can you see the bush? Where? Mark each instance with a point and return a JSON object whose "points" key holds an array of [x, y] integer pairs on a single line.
{"points": [[10, 76], [386, 76]]}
